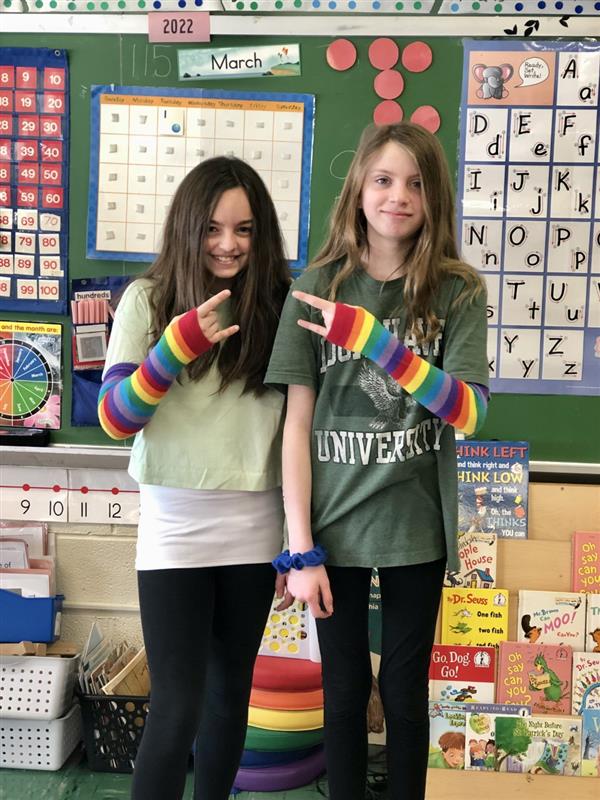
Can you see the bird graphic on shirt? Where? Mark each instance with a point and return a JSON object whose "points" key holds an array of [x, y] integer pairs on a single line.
{"points": [[388, 397]]}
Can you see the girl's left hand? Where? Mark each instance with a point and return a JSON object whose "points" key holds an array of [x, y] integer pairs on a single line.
{"points": [[281, 591], [326, 307]]}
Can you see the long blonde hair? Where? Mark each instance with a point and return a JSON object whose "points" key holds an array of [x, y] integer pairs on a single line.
{"points": [[432, 255]]}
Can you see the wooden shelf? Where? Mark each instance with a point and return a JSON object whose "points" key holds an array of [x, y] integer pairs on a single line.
{"points": [[543, 561], [447, 784]]}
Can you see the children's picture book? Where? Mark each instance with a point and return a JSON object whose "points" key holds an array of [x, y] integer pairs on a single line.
{"points": [[547, 745], [552, 618], [462, 674], [592, 624], [480, 733], [447, 730], [375, 717], [477, 553], [535, 675], [493, 487], [586, 561], [446, 735], [474, 617], [586, 682], [590, 743]]}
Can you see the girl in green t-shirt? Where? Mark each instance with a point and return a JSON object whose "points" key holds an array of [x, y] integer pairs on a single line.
{"points": [[369, 470]]}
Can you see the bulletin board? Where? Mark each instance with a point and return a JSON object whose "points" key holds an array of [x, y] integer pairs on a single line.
{"points": [[344, 105]]}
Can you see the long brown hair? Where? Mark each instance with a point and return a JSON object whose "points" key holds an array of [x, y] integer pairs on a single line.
{"points": [[432, 255], [181, 280]]}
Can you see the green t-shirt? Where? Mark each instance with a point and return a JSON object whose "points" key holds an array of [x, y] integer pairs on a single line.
{"points": [[384, 487]]}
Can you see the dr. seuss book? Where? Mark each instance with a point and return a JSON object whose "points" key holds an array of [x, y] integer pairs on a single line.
{"points": [[592, 624], [475, 617], [590, 743], [552, 618], [545, 745], [463, 674], [480, 734], [586, 561], [492, 487], [586, 682], [535, 675], [477, 554]]}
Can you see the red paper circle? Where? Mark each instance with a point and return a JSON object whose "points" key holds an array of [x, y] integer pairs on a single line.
{"points": [[417, 57], [387, 112], [341, 54], [383, 53], [427, 117], [389, 84]]}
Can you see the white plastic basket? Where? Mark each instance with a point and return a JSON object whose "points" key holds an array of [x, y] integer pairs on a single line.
{"points": [[36, 687], [36, 744]]}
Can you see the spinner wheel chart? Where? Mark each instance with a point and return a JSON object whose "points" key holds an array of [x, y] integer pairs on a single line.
{"points": [[25, 381], [30, 385]]}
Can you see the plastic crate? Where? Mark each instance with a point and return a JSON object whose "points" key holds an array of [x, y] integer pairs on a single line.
{"points": [[36, 687], [37, 744], [33, 619], [112, 730]]}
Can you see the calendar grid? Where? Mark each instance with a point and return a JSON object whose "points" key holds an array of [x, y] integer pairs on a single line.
{"points": [[155, 137]]}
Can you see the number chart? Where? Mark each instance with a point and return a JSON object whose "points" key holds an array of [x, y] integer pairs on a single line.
{"points": [[30, 385], [144, 141], [49, 494], [529, 182], [34, 147]]}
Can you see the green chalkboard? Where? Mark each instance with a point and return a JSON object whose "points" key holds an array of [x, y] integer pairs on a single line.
{"points": [[558, 428]]}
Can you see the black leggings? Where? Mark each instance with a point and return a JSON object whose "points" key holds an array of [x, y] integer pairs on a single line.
{"points": [[410, 598], [202, 629]]}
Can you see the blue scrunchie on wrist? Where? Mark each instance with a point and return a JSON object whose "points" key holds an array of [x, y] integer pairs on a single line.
{"points": [[312, 558]]}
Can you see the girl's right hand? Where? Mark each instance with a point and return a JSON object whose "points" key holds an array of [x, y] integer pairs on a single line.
{"points": [[209, 321], [311, 586]]}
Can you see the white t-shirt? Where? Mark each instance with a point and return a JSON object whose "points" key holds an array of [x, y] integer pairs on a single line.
{"points": [[182, 528]]}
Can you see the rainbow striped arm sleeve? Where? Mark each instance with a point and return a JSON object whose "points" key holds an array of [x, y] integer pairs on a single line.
{"points": [[130, 394], [463, 405]]}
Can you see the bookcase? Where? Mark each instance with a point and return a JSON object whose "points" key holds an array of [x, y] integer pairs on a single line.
{"points": [[543, 561]]}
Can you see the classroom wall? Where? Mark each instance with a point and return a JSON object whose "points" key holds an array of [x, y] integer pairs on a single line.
{"points": [[96, 562], [555, 425], [96, 573], [97, 576]]}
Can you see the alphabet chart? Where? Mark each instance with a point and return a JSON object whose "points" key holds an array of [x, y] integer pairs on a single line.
{"points": [[34, 147], [529, 219], [145, 140]]}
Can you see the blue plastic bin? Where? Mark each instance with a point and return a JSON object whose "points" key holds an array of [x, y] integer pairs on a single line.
{"points": [[30, 619]]}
